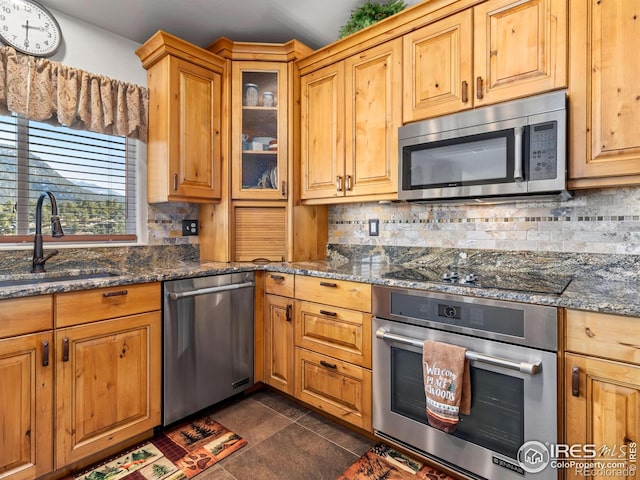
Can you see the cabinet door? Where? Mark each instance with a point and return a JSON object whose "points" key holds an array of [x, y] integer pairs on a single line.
{"points": [[259, 130], [438, 68], [259, 231], [373, 116], [606, 411], [195, 123], [107, 385], [322, 133], [603, 93], [278, 343], [26, 399], [520, 48]]}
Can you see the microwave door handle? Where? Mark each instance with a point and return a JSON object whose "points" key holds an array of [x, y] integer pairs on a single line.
{"points": [[517, 167]]}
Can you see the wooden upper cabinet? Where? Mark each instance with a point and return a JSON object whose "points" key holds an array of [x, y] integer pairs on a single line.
{"points": [[373, 115], [496, 51], [322, 132], [259, 130], [438, 68], [350, 114], [185, 120], [520, 48], [604, 93]]}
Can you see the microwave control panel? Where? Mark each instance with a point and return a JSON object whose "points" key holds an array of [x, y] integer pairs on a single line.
{"points": [[543, 151]]}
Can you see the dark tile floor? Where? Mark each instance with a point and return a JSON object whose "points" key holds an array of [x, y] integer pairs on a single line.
{"points": [[285, 441]]}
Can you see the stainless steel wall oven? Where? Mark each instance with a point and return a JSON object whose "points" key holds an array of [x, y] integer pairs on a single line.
{"points": [[512, 349]]}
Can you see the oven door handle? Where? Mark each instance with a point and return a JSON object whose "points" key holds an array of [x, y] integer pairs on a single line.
{"points": [[524, 367]]}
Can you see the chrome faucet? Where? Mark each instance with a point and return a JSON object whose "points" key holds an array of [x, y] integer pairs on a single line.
{"points": [[56, 231]]}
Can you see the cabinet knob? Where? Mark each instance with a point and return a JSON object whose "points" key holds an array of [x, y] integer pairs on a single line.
{"points": [[45, 353], [347, 183], [65, 349], [575, 381], [479, 87], [465, 91]]}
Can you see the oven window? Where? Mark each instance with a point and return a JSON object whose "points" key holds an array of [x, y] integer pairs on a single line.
{"points": [[497, 403]]}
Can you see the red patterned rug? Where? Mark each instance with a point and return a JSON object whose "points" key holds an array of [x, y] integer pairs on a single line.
{"points": [[384, 463], [183, 451]]}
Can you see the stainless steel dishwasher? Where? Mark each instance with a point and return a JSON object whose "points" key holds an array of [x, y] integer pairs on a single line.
{"points": [[208, 341]]}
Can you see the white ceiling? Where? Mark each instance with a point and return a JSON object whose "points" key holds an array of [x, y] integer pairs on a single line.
{"points": [[314, 22]]}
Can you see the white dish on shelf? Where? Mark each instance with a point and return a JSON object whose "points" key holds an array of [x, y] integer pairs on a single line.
{"points": [[263, 140]]}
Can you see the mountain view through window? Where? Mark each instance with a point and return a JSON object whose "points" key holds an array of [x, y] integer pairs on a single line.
{"points": [[91, 175]]}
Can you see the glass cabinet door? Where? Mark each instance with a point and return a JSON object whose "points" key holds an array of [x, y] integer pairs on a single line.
{"points": [[259, 130]]}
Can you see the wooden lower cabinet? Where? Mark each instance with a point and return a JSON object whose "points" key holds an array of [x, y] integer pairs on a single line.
{"points": [[108, 384], [333, 386], [602, 390], [278, 343], [604, 411], [26, 405]]}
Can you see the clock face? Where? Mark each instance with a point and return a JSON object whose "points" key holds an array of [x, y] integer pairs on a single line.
{"points": [[29, 27]]}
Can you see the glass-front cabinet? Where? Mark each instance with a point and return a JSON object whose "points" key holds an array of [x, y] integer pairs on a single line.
{"points": [[259, 130]]}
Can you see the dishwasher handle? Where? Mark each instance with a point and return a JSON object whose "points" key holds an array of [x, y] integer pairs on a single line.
{"points": [[205, 291]]}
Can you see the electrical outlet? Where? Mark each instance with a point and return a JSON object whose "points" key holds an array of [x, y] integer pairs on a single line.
{"points": [[189, 227], [374, 227]]}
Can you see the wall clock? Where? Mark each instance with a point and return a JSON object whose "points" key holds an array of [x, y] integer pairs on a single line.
{"points": [[29, 27]]}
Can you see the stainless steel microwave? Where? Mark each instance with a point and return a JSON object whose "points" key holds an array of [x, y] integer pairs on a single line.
{"points": [[508, 151]]}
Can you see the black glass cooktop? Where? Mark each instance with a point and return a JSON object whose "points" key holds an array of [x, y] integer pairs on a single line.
{"points": [[512, 280]]}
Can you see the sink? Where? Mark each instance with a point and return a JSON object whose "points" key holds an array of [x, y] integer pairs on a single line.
{"points": [[53, 277]]}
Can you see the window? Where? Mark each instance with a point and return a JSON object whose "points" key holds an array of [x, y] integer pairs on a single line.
{"points": [[92, 176]]}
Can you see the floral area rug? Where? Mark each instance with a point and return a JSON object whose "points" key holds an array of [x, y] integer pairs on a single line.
{"points": [[178, 453], [384, 463]]}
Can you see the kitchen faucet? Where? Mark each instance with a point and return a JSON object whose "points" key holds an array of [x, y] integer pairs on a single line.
{"points": [[56, 231]]}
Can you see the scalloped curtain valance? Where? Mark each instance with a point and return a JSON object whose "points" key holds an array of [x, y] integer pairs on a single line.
{"points": [[49, 91]]}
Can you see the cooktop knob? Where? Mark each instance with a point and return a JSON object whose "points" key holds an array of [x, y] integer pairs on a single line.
{"points": [[450, 276], [470, 278]]}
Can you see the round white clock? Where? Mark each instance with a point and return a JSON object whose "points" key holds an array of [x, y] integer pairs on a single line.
{"points": [[29, 27]]}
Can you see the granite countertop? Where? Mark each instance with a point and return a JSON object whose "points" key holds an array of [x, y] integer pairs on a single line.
{"points": [[592, 294]]}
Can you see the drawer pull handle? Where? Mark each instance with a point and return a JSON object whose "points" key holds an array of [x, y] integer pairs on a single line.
{"points": [[65, 349], [339, 183], [465, 90], [45, 353], [332, 366], [277, 278], [283, 191], [288, 313], [117, 293], [347, 183], [479, 88], [175, 182], [328, 313], [575, 381], [328, 284]]}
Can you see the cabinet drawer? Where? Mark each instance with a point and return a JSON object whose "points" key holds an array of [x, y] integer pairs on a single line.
{"points": [[19, 316], [603, 335], [336, 387], [343, 334], [279, 283], [73, 308], [341, 293]]}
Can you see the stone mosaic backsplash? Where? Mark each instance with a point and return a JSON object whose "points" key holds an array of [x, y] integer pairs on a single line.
{"points": [[164, 223], [603, 221]]}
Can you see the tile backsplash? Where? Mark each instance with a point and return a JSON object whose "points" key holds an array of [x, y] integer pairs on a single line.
{"points": [[593, 221], [164, 223]]}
